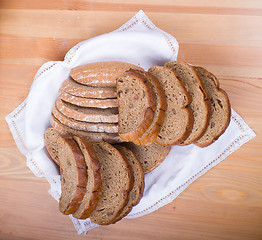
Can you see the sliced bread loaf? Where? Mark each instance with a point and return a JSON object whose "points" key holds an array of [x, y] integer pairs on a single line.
{"points": [[88, 102], [91, 136], [221, 110], [101, 74], [149, 156], [116, 183], [179, 118], [94, 179], [50, 142], [76, 89], [85, 114], [137, 105], [137, 190], [152, 132], [85, 126], [200, 99], [73, 174]]}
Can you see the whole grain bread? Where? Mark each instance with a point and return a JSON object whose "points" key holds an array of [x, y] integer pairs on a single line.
{"points": [[74, 88], [116, 183], [88, 102], [73, 174], [136, 192], [149, 156], [221, 110], [152, 132], [85, 126], [85, 114], [136, 105], [94, 179], [91, 136], [200, 99], [101, 74], [179, 118], [50, 142]]}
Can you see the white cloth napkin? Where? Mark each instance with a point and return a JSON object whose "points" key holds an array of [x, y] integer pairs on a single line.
{"points": [[139, 42]]}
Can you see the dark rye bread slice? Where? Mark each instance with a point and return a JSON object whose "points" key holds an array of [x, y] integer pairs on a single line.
{"points": [[136, 192], [50, 142], [116, 183], [200, 99], [149, 156], [221, 110], [72, 87], [94, 179], [152, 132], [179, 118], [91, 136], [85, 126], [85, 114], [136, 105], [88, 102], [73, 174], [101, 74]]}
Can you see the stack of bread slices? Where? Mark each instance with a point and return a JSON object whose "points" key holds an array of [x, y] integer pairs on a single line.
{"points": [[113, 122]]}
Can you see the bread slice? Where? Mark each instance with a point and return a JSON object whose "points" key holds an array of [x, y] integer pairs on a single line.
{"points": [[73, 174], [137, 105], [116, 183], [76, 89], [200, 99], [149, 156], [179, 118], [221, 110], [85, 114], [101, 74], [94, 179], [50, 142], [152, 132], [136, 192], [91, 136], [85, 126], [88, 102]]}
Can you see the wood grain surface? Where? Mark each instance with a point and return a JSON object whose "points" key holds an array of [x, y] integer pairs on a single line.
{"points": [[223, 36]]}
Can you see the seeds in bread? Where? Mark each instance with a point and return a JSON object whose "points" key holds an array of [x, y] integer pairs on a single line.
{"points": [[136, 192], [179, 118], [200, 99], [137, 105], [88, 102], [221, 110], [85, 126], [152, 132], [73, 174], [149, 156], [85, 114], [91, 136], [101, 74], [50, 142], [116, 183], [70, 86], [94, 179]]}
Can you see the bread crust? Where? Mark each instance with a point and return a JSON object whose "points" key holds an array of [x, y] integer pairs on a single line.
{"points": [[149, 113], [92, 136], [150, 136], [88, 102], [70, 86], [82, 176], [81, 116], [101, 74], [48, 145], [218, 89], [85, 126], [96, 170]]}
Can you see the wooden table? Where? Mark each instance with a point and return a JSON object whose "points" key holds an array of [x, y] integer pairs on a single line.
{"points": [[223, 36]]}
